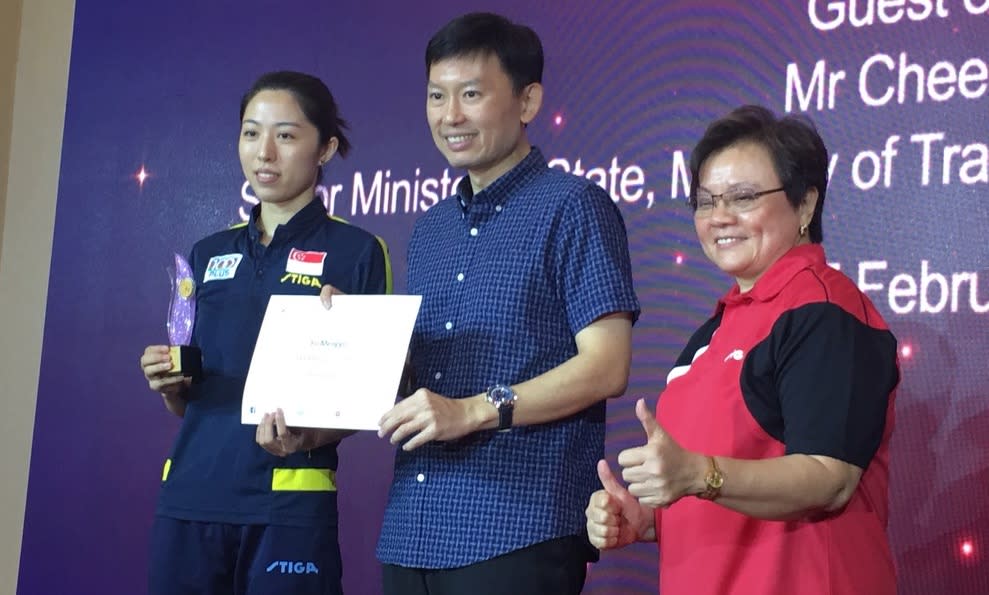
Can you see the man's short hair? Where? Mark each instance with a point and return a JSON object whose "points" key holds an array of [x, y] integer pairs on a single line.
{"points": [[483, 33]]}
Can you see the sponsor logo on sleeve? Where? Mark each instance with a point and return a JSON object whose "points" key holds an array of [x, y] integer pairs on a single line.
{"points": [[220, 268]]}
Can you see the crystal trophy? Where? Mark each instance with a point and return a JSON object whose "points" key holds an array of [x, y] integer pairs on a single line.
{"points": [[186, 359]]}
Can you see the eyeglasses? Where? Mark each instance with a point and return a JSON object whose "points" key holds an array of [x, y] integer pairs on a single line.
{"points": [[736, 201]]}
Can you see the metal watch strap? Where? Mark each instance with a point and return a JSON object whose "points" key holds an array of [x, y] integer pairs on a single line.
{"points": [[713, 480]]}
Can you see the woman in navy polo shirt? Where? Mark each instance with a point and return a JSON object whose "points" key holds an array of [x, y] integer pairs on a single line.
{"points": [[252, 510]]}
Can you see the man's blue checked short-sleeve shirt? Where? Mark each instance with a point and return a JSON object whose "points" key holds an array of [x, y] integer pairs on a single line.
{"points": [[508, 277]]}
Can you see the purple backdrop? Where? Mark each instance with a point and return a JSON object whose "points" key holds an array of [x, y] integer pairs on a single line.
{"points": [[900, 94]]}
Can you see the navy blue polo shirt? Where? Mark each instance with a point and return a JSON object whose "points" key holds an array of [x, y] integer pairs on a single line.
{"points": [[216, 471], [508, 277]]}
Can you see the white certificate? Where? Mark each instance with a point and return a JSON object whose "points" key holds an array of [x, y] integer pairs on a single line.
{"points": [[336, 368]]}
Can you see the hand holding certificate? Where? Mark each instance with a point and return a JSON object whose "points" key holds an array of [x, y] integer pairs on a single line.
{"points": [[337, 368]]}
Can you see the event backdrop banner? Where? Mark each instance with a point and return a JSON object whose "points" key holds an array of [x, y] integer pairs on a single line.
{"points": [[899, 90]]}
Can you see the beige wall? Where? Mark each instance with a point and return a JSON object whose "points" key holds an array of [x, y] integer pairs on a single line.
{"points": [[32, 112], [10, 29]]}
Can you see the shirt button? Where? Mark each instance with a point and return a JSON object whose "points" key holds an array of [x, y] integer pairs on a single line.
{"points": [[460, 276], [421, 477], [438, 375], [449, 325], [473, 231], [498, 208]]}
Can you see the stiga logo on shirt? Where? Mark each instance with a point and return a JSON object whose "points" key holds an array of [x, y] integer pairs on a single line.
{"points": [[304, 262], [297, 279], [285, 567], [222, 267]]}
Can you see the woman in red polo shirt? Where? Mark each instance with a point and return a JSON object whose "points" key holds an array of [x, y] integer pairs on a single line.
{"points": [[766, 467]]}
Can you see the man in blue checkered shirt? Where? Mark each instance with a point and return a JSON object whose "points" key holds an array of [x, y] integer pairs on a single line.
{"points": [[524, 332]]}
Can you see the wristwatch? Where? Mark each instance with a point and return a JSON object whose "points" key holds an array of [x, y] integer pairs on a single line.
{"points": [[712, 481], [503, 398]]}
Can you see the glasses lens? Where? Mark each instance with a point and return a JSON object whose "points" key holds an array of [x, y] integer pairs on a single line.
{"points": [[702, 203], [741, 202]]}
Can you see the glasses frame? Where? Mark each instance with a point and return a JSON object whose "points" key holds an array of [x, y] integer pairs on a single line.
{"points": [[730, 203]]}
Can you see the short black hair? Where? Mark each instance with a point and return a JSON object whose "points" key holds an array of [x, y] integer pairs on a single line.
{"points": [[798, 153], [517, 47], [315, 101]]}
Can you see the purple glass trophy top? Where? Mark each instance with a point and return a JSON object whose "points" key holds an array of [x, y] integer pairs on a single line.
{"points": [[182, 309]]}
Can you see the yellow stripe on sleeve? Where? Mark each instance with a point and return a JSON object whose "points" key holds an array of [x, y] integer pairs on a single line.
{"points": [[384, 248], [388, 279]]}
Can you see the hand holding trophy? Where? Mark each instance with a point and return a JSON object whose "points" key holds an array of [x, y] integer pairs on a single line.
{"points": [[186, 359]]}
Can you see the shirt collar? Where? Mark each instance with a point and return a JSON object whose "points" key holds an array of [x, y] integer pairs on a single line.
{"points": [[777, 276], [499, 191], [301, 220]]}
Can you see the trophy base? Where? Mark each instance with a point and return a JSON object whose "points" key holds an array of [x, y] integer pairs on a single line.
{"points": [[186, 361]]}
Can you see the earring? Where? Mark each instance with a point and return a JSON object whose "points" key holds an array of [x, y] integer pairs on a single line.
{"points": [[803, 230]]}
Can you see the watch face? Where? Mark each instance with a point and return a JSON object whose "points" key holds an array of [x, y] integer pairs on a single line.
{"points": [[500, 394]]}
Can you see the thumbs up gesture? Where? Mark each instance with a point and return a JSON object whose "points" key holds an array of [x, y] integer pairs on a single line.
{"points": [[614, 517], [660, 472]]}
